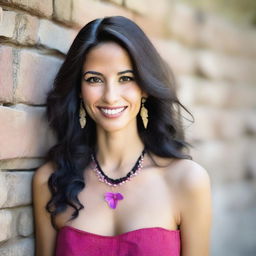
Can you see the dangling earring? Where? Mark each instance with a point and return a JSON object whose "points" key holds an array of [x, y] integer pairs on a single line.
{"points": [[82, 115], [144, 113]]}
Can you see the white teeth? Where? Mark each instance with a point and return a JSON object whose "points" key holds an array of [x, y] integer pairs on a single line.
{"points": [[112, 111]]}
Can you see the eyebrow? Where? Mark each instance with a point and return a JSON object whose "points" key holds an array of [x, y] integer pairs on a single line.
{"points": [[99, 74]]}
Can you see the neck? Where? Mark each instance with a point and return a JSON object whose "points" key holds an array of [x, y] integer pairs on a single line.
{"points": [[118, 151]]}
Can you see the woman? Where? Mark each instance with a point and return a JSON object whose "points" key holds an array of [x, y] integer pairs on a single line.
{"points": [[118, 181]]}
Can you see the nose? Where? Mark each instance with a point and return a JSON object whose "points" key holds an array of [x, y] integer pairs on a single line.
{"points": [[111, 93]]}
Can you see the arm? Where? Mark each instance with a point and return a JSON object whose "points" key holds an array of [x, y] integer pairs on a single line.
{"points": [[195, 210], [44, 232]]}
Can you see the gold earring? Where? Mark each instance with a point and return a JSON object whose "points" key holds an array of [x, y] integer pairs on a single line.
{"points": [[82, 115], [144, 113]]}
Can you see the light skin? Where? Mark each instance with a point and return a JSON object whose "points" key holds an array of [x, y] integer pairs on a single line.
{"points": [[176, 195]]}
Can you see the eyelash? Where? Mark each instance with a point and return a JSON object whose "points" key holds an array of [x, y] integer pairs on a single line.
{"points": [[94, 79]]}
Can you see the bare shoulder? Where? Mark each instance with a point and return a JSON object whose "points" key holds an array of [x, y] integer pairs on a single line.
{"points": [[193, 193], [43, 173], [188, 175], [44, 231]]}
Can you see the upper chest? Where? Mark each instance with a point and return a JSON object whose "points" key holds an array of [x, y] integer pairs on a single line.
{"points": [[149, 200]]}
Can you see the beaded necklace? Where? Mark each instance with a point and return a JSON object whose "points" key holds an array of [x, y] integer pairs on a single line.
{"points": [[113, 198]]}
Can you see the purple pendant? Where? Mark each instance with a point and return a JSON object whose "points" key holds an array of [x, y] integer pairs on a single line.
{"points": [[113, 198]]}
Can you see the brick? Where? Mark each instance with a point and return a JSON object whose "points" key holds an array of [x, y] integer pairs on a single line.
{"points": [[234, 206], [18, 186], [218, 93], [7, 24], [223, 67], [204, 127], [6, 78], [151, 27], [55, 37], [32, 84], [224, 94], [27, 29], [250, 121], [20, 247], [141, 7], [216, 124], [229, 124], [186, 90], [251, 160], [21, 163], [197, 28], [44, 7], [119, 2], [3, 190], [183, 23], [25, 222], [82, 11], [5, 225], [25, 132], [224, 160], [202, 92], [181, 59], [62, 10], [221, 35]]}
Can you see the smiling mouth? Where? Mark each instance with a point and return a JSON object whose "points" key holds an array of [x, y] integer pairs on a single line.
{"points": [[112, 111]]}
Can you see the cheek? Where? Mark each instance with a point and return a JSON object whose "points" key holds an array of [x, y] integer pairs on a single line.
{"points": [[133, 95], [90, 95]]}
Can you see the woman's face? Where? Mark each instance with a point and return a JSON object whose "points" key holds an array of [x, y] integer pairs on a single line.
{"points": [[111, 95]]}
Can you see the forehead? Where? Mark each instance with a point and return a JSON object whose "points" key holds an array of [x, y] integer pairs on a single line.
{"points": [[107, 56]]}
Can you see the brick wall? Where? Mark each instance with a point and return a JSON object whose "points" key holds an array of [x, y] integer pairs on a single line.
{"points": [[214, 63]]}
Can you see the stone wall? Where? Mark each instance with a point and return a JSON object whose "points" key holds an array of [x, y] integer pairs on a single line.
{"points": [[213, 60]]}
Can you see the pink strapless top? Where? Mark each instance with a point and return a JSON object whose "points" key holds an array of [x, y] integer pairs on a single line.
{"points": [[154, 241]]}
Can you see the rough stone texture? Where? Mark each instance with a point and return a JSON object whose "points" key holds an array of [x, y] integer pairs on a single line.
{"points": [[20, 247], [43, 7], [7, 23], [250, 166], [231, 39], [20, 120], [26, 29], [234, 212], [224, 160], [19, 188], [151, 17], [82, 15], [194, 27], [250, 121], [223, 94], [217, 124], [62, 10], [54, 36], [6, 78], [180, 59], [5, 225], [119, 2], [184, 23], [25, 222], [138, 6], [221, 67], [32, 83], [3, 190], [21, 163]]}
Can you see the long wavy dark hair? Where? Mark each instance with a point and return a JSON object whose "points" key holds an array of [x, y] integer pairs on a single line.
{"points": [[71, 155]]}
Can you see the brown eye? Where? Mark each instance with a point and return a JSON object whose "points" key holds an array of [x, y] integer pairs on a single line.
{"points": [[93, 79], [126, 79]]}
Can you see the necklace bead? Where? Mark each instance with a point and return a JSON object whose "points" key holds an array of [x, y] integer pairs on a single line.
{"points": [[120, 181]]}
